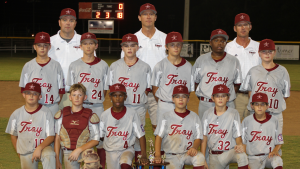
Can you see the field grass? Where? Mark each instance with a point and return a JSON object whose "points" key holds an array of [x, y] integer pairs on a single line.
{"points": [[9, 158]]}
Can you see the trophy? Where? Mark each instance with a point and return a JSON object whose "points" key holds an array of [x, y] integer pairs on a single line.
{"points": [[139, 158], [163, 157], [151, 151]]}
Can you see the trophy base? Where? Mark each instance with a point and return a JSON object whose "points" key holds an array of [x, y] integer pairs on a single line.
{"points": [[162, 165]]}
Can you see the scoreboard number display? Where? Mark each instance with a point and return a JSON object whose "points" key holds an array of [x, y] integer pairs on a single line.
{"points": [[101, 10]]}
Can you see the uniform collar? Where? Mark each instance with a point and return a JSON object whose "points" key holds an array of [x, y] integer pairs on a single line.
{"points": [[74, 39], [250, 45], [155, 36]]}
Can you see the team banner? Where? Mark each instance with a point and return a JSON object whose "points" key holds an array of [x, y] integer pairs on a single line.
{"points": [[187, 50]]}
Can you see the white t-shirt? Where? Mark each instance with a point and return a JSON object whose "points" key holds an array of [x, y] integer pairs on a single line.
{"points": [[248, 56], [151, 50]]}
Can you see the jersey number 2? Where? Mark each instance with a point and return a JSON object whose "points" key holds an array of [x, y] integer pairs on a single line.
{"points": [[138, 98], [190, 145], [227, 144], [51, 99], [38, 141], [95, 93]]}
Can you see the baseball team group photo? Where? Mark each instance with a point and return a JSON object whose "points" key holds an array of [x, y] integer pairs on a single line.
{"points": [[148, 97]]}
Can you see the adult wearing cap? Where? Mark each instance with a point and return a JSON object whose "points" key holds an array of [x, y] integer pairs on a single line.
{"points": [[66, 46], [151, 49], [246, 51]]}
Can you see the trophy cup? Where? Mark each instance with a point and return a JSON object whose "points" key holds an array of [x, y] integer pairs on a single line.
{"points": [[151, 151]]}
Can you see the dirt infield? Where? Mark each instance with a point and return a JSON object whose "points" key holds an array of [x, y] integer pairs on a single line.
{"points": [[11, 99]]}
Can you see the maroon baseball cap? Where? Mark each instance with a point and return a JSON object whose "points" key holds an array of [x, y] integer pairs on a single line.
{"points": [[31, 86], [42, 37], [88, 35], [129, 38], [181, 89], [67, 12], [173, 37], [260, 97], [118, 87], [147, 6], [241, 17], [218, 32], [266, 44], [220, 89]]}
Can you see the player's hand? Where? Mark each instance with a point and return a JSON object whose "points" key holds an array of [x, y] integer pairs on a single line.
{"points": [[36, 154], [205, 165], [274, 153], [58, 165], [192, 152], [157, 159], [144, 160], [74, 155], [239, 149]]}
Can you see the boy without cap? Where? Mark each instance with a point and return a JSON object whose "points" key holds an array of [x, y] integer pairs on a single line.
{"points": [[270, 78], [32, 130], [92, 73], [180, 131], [222, 133], [46, 72], [119, 127], [262, 135], [76, 128]]}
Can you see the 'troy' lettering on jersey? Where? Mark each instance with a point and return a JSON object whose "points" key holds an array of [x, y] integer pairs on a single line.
{"points": [[47, 85], [113, 132], [216, 131], [85, 78], [124, 81], [213, 78], [266, 89], [257, 137], [175, 129], [173, 80], [25, 128]]}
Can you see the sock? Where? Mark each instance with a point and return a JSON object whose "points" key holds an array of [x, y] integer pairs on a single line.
{"points": [[102, 155], [243, 167], [125, 166], [279, 167], [161, 153], [135, 157], [199, 167]]}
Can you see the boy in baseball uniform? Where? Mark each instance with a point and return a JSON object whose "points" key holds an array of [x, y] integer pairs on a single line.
{"points": [[222, 133], [180, 132], [32, 130], [119, 127], [262, 135], [135, 75], [76, 128], [170, 72], [92, 73], [270, 78], [216, 67], [46, 72]]}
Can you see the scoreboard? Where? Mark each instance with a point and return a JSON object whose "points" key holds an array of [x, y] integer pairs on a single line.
{"points": [[101, 10]]}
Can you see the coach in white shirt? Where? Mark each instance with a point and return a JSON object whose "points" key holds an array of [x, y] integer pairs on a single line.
{"points": [[65, 46], [151, 49], [246, 51]]}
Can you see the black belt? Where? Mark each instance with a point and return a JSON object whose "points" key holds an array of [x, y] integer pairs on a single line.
{"points": [[244, 92], [206, 99], [217, 152]]}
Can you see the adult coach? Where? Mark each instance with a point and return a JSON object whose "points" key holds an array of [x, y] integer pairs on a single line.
{"points": [[151, 49], [246, 51], [66, 46]]}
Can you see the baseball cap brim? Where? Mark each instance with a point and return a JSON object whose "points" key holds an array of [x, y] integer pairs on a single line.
{"points": [[127, 41], [90, 39], [150, 10], [117, 91], [67, 15], [181, 93], [225, 36]]}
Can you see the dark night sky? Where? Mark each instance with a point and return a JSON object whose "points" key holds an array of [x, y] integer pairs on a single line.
{"points": [[277, 19]]}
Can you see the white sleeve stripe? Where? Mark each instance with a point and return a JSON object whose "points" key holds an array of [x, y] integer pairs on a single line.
{"points": [[204, 127], [157, 78], [244, 135], [238, 79], [162, 128], [196, 72], [25, 79], [58, 80], [148, 80], [286, 89], [110, 78], [198, 131], [12, 129], [102, 134], [192, 84], [47, 128], [105, 79], [237, 128], [96, 132], [59, 122], [139, 135], [71, 77]]}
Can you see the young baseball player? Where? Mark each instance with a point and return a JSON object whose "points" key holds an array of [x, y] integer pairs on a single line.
{"points": [[180, 131], [262, 135], [135, 75], [92, 73], [269, 78], [32, 130], [119, 127], [216, 67], [46, 72], [222, 132], [170, 72], [76, 128]]}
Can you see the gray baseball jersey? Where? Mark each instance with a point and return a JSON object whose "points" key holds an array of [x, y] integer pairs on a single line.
{"points": [[274, 82], [93, 77], [221, 131], [31, 128], [208, 73], [166, 76], [178, 134], [135, 78], [50, 77], [261, 137], [120, 134]]}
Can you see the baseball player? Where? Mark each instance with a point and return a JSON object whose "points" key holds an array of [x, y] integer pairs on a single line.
{"points": [[46, 72], [92, 73], [216, 67], [120, 125], [76, 128], [262, 135], [170, 72], [180, 131], [246, 51], [66, 46], [222, 132], [151, 49], [135, 75], [269, 78], [32, 130]]}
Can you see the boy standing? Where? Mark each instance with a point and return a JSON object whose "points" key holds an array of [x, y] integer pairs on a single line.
{"points": [[262, 135], [222, 132], [74, 126], [32, 130], [180, 132], [46, 72]]}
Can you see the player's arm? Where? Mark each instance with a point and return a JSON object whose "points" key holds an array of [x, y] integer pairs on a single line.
{"points": [[57, 151], [38, 150], [157, 147], [14, 142], [144, 159], [154, 89], [203, 143], [75, 154], [236, 87], [239, 148], [275, 151], [193, 151]]}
